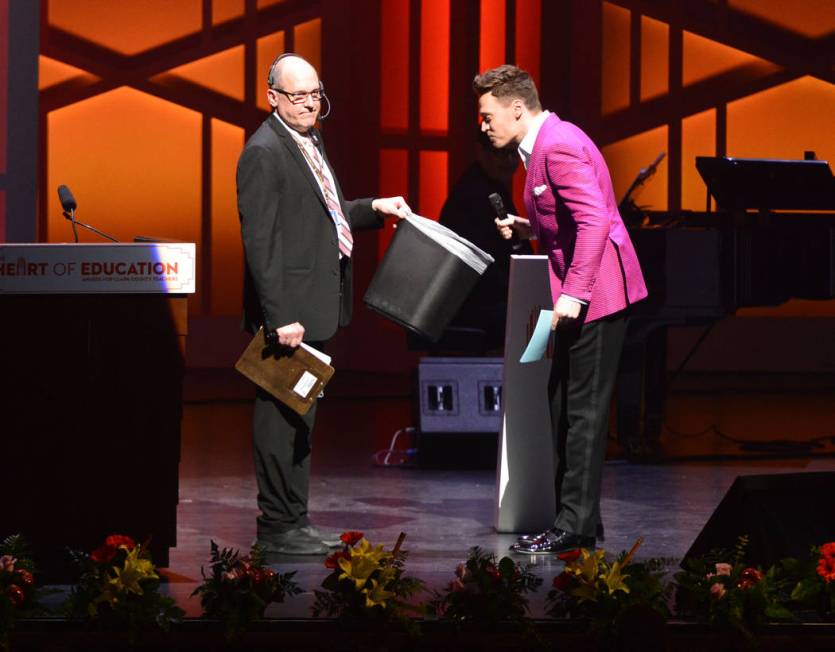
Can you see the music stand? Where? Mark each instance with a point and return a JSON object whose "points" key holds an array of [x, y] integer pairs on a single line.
{"points": [[765, 184]]}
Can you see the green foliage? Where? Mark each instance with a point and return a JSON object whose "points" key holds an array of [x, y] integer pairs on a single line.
{"points": [[607, 594], [486, 592], [239, 589], [368, 586], [118, 589], [19, 595], [731, 596]]}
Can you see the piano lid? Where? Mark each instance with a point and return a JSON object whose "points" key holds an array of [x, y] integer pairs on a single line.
{"points": [[760, 183]]}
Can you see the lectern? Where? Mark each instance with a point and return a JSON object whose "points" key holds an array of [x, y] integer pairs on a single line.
{"points": [[91, 341]]}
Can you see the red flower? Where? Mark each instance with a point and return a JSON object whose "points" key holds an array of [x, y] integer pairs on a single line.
{"points": [[493, 572], [117, 540], [25, 577], [351, 537], [562, 582], [332, 562], [751, 575], [717, 590], [103, 554], [569, 555], [826, 565], [16, 595]]}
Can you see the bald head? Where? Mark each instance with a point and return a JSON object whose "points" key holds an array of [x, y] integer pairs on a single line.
{"points": [[289, 65]]}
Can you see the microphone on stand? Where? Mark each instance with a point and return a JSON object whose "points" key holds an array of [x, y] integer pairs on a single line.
{"points": [[501, 212], [69, 205]]}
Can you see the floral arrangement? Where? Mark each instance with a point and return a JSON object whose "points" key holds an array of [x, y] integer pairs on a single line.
{"points": [[239, 589], [119, 588], [367, 584], [809, 585], [608, 593], [486, 592], [19, 597], [720, 589]]}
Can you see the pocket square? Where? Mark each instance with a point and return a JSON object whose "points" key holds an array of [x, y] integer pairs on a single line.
{"points": [[538, 190]]}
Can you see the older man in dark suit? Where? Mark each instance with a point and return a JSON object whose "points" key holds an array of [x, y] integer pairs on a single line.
{"points": [[296, 229]]}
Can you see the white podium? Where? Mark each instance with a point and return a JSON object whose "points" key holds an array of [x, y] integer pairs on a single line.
{"points": [[525, 474]]}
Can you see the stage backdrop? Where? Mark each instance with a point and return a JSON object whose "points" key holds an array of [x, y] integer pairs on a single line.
{"points": [[145, 105]]}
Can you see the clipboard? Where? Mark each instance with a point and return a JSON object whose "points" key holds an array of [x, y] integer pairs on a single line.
{"points": [[293, 376]]}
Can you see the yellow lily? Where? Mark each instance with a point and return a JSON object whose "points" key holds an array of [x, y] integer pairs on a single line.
{"points": [[377, 594], [364, 560]]}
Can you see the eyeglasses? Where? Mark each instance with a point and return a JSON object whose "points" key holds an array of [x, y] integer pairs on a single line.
{"points": [[298, 97]]}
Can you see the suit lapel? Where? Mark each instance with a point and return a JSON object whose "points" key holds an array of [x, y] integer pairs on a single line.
{"points": [[288, 142]]}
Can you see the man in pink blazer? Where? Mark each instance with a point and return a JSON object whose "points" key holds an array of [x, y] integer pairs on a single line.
{"points": [[595, 277]]}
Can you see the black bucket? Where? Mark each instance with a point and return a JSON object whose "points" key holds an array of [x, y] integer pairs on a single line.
{"points": [[419, 284]]}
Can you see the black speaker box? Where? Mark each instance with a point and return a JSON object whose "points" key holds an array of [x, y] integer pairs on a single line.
{"points": [[782, 514]]}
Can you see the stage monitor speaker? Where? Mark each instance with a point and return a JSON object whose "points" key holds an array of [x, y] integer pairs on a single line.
{"points": [[783, 515], [460, 394]]}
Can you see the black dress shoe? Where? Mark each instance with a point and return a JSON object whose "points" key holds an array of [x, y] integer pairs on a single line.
{"points": [[329, 539], [292, 542], [553, 542], [598, 534]]}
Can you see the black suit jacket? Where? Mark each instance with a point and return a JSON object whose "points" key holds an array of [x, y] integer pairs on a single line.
{"points": [[293, 270]]}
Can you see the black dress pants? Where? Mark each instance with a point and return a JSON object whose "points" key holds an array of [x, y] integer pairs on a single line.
{"points": [[583, 372], [282, 443]]}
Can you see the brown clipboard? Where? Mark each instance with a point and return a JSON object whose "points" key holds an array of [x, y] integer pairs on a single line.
{"points": [[293, 376]]}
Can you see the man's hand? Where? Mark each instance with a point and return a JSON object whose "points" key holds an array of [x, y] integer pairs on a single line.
{"points": [[565, 311], [394, 206], [514, 223], [290, 335]]}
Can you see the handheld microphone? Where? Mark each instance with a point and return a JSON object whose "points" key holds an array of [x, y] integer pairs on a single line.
{"points": [[497, 204], [501, 212]]}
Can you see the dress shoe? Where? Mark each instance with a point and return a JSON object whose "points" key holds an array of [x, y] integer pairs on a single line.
{"points": [[599, 535], [330, 539], [292, 542], [553, 542]]}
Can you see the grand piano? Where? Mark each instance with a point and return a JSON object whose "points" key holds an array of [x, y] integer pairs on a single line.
{"points": [[771, 238]]}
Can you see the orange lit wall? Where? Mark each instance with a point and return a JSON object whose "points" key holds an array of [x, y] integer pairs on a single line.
{"points": [[157, 157], [493, 25], [528, 40], [732, 100], [227, 252], [154, 153], [434, 65], [615, 57], [394, 65]]}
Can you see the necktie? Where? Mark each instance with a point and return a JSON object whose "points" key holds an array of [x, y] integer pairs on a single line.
{"points": [[343, 229]]}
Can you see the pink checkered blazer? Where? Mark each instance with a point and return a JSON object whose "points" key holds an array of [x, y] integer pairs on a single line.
{"points": [[572, 208]]}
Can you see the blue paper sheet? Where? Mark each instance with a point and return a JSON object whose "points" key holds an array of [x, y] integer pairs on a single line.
{"points": [[539, 339]]}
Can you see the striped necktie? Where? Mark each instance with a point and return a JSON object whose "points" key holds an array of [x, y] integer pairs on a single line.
{"points": [[343, 229]]}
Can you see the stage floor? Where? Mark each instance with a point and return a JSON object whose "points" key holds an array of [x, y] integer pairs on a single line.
{"points": [[445, 511]]}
